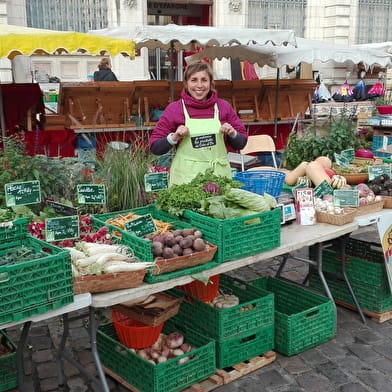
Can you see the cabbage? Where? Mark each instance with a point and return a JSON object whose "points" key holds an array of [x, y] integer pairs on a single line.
{"points": [[251, 201]]}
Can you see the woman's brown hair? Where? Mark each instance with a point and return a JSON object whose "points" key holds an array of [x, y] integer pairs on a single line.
{"points": [[198, 66]]}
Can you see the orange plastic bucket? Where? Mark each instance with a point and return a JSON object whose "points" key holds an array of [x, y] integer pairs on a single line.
{"points": [[203, 292], [134, 334]]}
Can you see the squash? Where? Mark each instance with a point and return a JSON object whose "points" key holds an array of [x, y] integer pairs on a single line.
{"points": [[305, 181], [329, 171], [299, 171], [325, 161], [315, 171], [338, 182]]}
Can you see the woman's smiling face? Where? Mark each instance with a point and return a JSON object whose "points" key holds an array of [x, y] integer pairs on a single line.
{"points": [[199, 85]]}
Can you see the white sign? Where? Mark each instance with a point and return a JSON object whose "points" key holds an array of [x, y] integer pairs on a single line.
{"points": [[384, 226]]}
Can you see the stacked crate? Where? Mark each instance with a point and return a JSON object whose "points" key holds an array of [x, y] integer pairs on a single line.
{"points": [[365, 268], [241, 332]]}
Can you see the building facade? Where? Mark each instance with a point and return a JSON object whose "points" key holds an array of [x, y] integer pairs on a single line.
{"points": [[339, 21]]}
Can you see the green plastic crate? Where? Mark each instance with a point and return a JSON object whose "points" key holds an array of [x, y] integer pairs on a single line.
{"points": [[37, 286], [241, 348], [168, 376], [364, 262], [239, 237], [377, 299], [142, 247], [13, 229], [255, 310], [303, 319], [7, 364]]}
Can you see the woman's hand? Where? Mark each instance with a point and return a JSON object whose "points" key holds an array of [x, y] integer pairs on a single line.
{"points": [[227, 129], [181, 131]]}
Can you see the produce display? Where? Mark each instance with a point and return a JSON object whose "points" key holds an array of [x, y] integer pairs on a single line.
{"points": [[381, 185], [21, 254], [90, 258], [166, 348]]}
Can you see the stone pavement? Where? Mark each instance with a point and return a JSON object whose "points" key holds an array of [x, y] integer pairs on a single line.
{"points": [[358, 359]]}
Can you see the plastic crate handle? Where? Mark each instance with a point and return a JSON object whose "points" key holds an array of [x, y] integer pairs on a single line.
{"points": [[312, 313], [248, 339], [4, 277]]}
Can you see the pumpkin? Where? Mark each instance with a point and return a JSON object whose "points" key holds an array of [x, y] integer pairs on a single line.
{"points": [[338, 182], [299, 171]]}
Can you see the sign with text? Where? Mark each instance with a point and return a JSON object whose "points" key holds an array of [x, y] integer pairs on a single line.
{"points": [[91, 193], [156, 181], [62, 228], [384, 227], [377, 170], [203, 141], [323, 189], [62, 209], [22, 193], [141, 226], [341, 160], [348, 154], [346, 197]]}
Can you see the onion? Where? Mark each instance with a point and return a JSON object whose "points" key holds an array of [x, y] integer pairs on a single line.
{"points": [[174, 340], [177, 352], [182, 360], [186, 347], [363, 201], [378, 198], [161, 359], [363, 189]]}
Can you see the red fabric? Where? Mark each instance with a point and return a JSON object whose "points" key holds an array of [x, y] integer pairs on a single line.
{"points": [[51, 143], [249, 71], [268, 129], [18, 98]]}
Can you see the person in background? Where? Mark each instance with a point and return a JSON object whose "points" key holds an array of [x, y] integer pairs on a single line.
{"points": [[105, 73], [200, 126]]}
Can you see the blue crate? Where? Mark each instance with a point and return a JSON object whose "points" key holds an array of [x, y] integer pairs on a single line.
{"points": [[378, 143], [262, 181]]}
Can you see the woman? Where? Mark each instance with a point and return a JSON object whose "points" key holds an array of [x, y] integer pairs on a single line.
{"points": [[200, 126], [105, 73]]}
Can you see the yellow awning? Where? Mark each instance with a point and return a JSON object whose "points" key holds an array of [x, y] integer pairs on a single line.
{"points": [[19, 40]]}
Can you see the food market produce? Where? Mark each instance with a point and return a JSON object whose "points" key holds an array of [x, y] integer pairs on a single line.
{"points": [[381, 185], [338, 181]]}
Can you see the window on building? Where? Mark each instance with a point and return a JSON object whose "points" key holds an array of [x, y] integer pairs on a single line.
{"points": [[278, 14]]}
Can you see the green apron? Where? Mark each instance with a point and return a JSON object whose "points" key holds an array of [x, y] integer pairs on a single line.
{"points": [[204, 148]]}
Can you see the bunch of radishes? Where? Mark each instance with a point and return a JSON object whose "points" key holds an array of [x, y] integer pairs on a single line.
{"points": [[366, 195], [165, 348]]}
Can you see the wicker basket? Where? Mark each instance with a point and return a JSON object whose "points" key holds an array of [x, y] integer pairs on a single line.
{"points": [[151, 317], [387, 201], [162, 266], [371, 207], [355, 178], [108, 282], [338, 220]]}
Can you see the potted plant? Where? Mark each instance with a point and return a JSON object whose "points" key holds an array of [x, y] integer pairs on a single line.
{"points": [[383, 104]]}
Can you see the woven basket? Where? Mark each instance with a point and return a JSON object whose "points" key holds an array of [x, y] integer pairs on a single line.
{"points": [[162, 266], [387, 201], [355, 178], [151, 317], [371, 207], [108, 282], [338, 220]]}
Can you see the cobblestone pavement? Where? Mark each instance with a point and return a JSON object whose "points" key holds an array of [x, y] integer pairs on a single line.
{"points": [[358, 359]]}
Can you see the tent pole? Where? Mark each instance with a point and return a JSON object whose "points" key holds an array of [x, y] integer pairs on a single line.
{"points": [[171, 71], [276, 103]]}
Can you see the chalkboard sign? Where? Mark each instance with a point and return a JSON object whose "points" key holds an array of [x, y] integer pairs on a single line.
{"points": [[341, 160], [62, 209], [22, 193], [348, 154], [62, 228], [155, 181], [203, 141], [91, 193], [323, 189], [346, 197], [377, 170], [141, 226]]}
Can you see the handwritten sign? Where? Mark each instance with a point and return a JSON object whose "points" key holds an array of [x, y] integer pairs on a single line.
{"points": [[377, 170], [203, 141], [62, 209], [341, 160], [348, 154], [141, 226], [22, 193], [155, 181], [323, 189], [62, 228], [346, 197], [91, 193]]}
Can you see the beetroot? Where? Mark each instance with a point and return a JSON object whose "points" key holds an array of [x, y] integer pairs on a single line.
{"points": [[212, 188]]}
